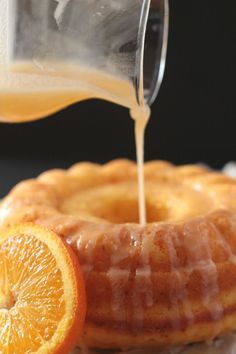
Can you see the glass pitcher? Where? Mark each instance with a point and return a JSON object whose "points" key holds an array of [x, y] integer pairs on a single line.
{"points": [[56, 52]]}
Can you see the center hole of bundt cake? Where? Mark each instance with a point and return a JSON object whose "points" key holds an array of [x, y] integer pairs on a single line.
{"points": [[127, 211], [124, 211], [113, 205], [118, 203]]}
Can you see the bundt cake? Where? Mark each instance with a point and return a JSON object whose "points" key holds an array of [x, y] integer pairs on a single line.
{"points": [[170, 282]]}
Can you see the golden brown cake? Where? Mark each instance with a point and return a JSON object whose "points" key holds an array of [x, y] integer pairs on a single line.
{"points": [[170, 282]]}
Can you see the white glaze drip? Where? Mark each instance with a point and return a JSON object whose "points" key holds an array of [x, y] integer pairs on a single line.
{"points": [[199, 257], [178, 295], [224, 245], [146, 271], [118, 280], [137, 291], [142, 295], [86, 238]]}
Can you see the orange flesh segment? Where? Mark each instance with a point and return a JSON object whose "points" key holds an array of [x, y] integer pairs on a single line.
{"points": [[42, 297]]}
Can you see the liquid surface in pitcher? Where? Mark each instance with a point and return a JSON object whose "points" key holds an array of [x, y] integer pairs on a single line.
{"points": [[30, 91]]}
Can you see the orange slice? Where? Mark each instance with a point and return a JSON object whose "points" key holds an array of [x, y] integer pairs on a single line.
{"points": [[42, 295]]}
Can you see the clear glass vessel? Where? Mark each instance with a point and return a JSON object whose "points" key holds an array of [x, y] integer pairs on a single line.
{"points": [[64, 51]]}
